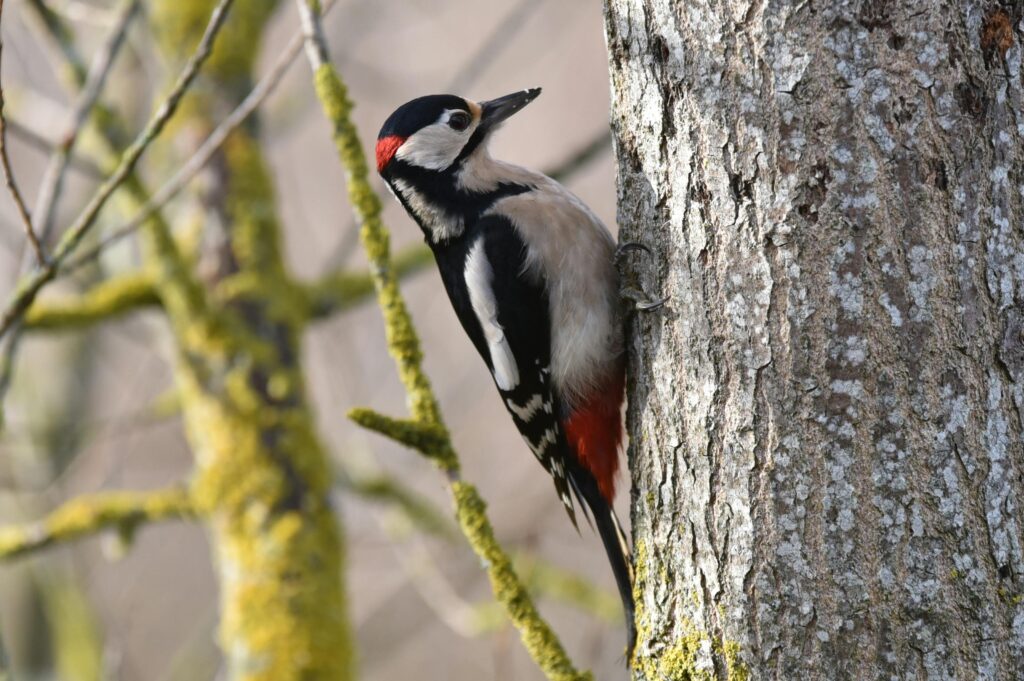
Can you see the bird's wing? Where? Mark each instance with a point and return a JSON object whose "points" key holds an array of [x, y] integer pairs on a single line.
{"points": [[506, 315]]}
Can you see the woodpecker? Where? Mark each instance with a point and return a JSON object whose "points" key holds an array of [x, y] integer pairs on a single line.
{"points": [[530, 272]]}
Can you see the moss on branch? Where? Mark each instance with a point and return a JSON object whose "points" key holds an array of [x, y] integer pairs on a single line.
{"points": [[402, 340], [426, 438], [106, 300], [88, 515], [537, 636]]}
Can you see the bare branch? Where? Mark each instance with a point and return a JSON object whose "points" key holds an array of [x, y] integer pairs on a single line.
{"points": [[204, 153], [34, 140], [12, 185], [62, 35], [53, 177], [87, 515], [85, 13], [7, 357], [30, 287], [581, 157], [5, 665]]}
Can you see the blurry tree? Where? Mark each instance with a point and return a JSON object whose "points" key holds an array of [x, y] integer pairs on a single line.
{"points": [[826, 419], [236, 317]]}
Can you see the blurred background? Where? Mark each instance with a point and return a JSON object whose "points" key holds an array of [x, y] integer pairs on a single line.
{"points": [[91, 410]]}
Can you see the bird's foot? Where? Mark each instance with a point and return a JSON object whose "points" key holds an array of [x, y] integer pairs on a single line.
{"points": [[627, 246], [640, 299]]}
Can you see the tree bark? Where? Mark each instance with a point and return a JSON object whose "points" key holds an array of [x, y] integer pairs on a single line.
{"points": [[826, 417]]}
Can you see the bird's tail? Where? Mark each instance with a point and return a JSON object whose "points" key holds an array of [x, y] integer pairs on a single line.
{"points": [[615, 545]]}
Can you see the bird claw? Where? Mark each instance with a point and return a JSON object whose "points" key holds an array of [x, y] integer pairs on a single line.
{"points": [[642, 302], [626, 246]]}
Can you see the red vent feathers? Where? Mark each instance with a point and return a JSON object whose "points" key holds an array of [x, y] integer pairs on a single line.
{"points": [[386, 148], [594, 430]]}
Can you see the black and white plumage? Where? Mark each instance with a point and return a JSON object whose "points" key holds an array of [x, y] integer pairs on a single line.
{"points": [[530, 273]]}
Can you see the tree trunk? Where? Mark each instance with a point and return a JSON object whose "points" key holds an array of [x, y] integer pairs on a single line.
{"points": [[826, 417]]}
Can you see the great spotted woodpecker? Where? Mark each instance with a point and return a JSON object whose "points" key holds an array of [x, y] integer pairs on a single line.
{"points": [[530, 272]]}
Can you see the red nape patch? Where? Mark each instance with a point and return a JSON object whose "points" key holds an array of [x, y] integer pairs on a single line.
{"points": [[594, 430], [386, 148]]}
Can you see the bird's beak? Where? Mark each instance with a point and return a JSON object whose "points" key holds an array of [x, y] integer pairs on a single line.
{"points": [[494, 111]]}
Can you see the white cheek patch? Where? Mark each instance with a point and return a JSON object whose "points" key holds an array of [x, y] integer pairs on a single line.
{"points": [[436, 146], [481, 296]]}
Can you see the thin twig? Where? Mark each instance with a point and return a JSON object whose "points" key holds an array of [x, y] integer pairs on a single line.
{"points": [[29, 288], [5, 665], [34, 140], [7, 358], [464, 618], [581, 157], [12, 185], [53, 177], [203, 154], [84, 13], [63, 39]]}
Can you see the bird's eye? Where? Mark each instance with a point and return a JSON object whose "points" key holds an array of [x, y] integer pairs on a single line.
{"points": [[459, 120]]}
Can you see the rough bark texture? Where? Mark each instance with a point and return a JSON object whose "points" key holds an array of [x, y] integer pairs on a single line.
{"points": [[826, 419]]}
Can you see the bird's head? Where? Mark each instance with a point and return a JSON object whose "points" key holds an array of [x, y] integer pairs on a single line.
{"points": [[437, 132]]}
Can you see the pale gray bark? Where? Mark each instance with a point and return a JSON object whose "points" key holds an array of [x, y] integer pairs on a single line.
{"points": [[826, 418]]}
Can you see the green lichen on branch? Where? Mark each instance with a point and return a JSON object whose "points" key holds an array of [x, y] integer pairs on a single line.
{"points": [[426, 438], [265, 483], [403, 343], [85, 516], [678, 660], [106, 300], [537, 636]]}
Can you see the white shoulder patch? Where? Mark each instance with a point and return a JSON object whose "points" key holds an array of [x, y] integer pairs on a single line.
{"points": [[481, 296]]}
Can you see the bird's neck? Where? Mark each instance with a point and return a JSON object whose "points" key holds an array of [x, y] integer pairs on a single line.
{"points": [[446, 203]]}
